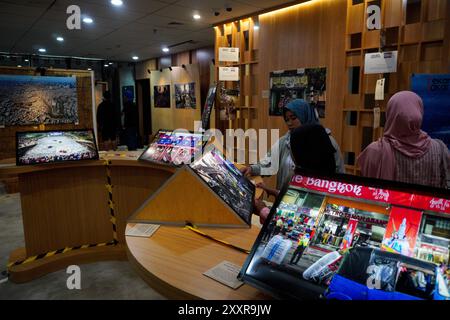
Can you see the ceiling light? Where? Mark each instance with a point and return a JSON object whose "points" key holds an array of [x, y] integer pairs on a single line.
{"points": [[42, 50], [135, 58], [88, 20], [117, 3], [165, 49], [196, 16], [19, 66], [60, 39], [110, 63], [26, 60], [89, 69], [106, 65]]}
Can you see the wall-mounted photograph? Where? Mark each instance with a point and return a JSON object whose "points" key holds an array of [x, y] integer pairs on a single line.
{"points": [[162, 96], [31, 100], [185, 96], [306, 84]]}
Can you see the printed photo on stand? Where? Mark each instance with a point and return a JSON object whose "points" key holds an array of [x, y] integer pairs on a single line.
{"points": [[209, 105], [161, 96], [39, 147], [226, 181], [185, 96], [173, 148], [306, 84], [346, 239], [31, 100]]}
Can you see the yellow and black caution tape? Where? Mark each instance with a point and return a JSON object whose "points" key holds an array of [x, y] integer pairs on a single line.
{"points": [[194, 229], [109, 188], [60, 251], [113, 220]]}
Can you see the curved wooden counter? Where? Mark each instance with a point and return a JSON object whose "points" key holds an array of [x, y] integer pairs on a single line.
{"points": [[174, 259], [65, 206]]}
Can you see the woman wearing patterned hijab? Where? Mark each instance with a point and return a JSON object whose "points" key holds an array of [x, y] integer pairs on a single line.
{"points": [[406, 153]]}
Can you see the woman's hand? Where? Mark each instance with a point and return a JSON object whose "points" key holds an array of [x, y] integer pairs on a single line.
{"points": [[246, 171]]}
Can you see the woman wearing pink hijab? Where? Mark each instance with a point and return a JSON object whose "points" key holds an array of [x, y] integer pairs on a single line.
{"points": [[406, 153]]}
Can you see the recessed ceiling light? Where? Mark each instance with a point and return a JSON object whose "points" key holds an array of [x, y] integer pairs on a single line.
{"points": [[135, 58], [117, 3], [42, 50], [19, 66], [106, 65], [110, 63], [196, 16], [88, 20], [165, 49], [89, 69], [60, 39], [26, 60]]}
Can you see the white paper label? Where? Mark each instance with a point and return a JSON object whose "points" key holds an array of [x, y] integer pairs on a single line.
{"points": [[376, 117], [142, 230], [379, 90], [229, 73], [380, 62], [225, 273], [229, 54]]}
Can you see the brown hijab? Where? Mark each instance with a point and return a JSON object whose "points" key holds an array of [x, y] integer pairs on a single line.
{"points": [[402, 132]]}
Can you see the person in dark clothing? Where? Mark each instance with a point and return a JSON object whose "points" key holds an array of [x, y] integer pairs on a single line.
{"points": [[131, 122], [311, 149], [106, 122]]}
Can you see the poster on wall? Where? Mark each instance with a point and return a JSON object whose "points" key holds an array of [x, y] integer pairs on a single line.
{"points": [[228, 101], [434, 89], [380, 62], [209, 105], [401, 231], [31, 100], [185, 96], [162, 96], [349, 233], [307, 84], [128, 93]]}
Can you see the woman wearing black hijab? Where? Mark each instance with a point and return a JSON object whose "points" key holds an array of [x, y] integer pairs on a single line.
{"points": [[312, 151]]}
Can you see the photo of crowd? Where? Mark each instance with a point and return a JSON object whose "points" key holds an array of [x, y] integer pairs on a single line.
{"points": [[185, 96], [173, 148], [227, 182], [55, 146]]}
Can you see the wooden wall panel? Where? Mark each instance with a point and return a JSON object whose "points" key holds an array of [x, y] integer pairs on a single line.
{"points": [[308, 35], [172, 118], [84, 96]]}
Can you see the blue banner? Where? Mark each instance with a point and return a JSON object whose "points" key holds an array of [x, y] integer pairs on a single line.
{"points": [[434, 89]]}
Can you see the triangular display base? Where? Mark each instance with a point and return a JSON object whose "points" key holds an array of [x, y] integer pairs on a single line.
{"points": [[183, 198]]}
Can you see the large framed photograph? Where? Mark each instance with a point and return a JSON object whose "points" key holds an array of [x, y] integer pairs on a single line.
{"points": [[307, 84], [173, 148], [226, 181], [352, 238], [40, 147], [31, 100]]}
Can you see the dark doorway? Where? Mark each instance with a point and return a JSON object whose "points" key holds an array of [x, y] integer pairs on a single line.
{"points": [[144, 106]]}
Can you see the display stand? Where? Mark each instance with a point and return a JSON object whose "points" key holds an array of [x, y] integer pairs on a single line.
{"points": [[185, 197]]}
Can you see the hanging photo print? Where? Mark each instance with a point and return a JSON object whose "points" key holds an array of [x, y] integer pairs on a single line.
{"points": [[307, 84], [228, 101], [162, 96], [185, 96]]}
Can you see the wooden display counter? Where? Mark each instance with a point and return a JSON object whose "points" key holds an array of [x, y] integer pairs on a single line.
{"points": [[76, 212], [172, 261], [67, 216]]}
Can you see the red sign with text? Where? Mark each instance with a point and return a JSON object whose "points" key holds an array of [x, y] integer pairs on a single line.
{"points": [[373, 194]]}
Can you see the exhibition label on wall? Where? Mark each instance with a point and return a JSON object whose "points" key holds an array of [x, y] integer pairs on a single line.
{"points": [[380, 62], [229, 54], [228, 73]]}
